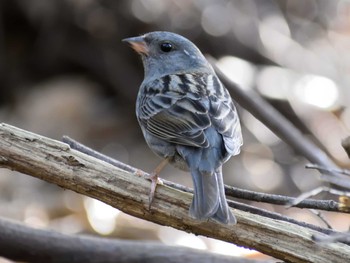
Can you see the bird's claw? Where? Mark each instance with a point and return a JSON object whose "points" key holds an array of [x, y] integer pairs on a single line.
{"points": [[155, 180]]}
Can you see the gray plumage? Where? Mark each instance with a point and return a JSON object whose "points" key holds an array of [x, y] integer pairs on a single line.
{"points": [[187, 116]]}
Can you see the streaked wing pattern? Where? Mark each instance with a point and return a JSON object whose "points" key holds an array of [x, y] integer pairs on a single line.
{"points": [[178, 108]]}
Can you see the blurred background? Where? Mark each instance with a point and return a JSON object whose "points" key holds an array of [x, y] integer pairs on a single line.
{"points": [[65, 71]]}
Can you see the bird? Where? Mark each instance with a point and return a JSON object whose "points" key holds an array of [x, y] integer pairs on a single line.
{"points": [[188, 118]]}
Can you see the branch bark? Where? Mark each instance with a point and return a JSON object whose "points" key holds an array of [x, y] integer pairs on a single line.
{"points": [[327, 205], [55, 162]]}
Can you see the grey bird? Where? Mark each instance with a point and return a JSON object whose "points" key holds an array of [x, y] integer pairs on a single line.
{"points": [[188, 118]]}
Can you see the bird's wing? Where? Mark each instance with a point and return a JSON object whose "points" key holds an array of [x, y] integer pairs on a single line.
{"points": [[225, 119], [173, 109], [178, 109]]}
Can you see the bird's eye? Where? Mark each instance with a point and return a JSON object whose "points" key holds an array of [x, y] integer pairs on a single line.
{"points": [[166, 47]]}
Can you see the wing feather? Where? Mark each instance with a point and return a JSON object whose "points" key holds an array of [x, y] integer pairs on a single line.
{"points": [[181, 111]]}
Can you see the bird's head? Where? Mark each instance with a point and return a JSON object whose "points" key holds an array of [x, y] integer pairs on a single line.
{"points": [[165, 53]]}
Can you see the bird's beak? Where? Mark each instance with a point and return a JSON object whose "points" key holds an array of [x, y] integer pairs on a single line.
{"points": [[138, 44]]}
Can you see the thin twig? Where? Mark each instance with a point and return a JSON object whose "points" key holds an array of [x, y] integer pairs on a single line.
{"points": [[344, 196], [276, 216], [321, 217], [327, 170], [327, 205], [336, 176], [329, 175]]}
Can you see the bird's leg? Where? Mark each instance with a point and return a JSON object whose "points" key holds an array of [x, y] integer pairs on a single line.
{"points": [[155, 180]]}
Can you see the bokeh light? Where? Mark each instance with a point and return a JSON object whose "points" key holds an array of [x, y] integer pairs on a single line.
{"points": [[260, 131], [148, 10], [229, 249], [36, 216], [102, 217], [215, 20], [275, 36], [175, 237], [317, 90], [238, 70], [264, 173], [275, 82]]}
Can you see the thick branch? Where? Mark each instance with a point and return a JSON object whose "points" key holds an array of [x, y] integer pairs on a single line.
{"points": [[55, 162], [328, 205], [22, 243]]}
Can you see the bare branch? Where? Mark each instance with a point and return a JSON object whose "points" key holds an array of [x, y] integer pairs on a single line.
{"points": [[321, 217], [327, 169], [56, 163], [21, 243], [342, 206], [336, 176], [276, 216], [328, 205]]}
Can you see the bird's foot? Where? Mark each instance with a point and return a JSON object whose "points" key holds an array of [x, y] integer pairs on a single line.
{"points": [[155, 180]]}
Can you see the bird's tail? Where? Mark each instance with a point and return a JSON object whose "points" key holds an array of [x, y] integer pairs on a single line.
{"points": [[209, 199]]}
